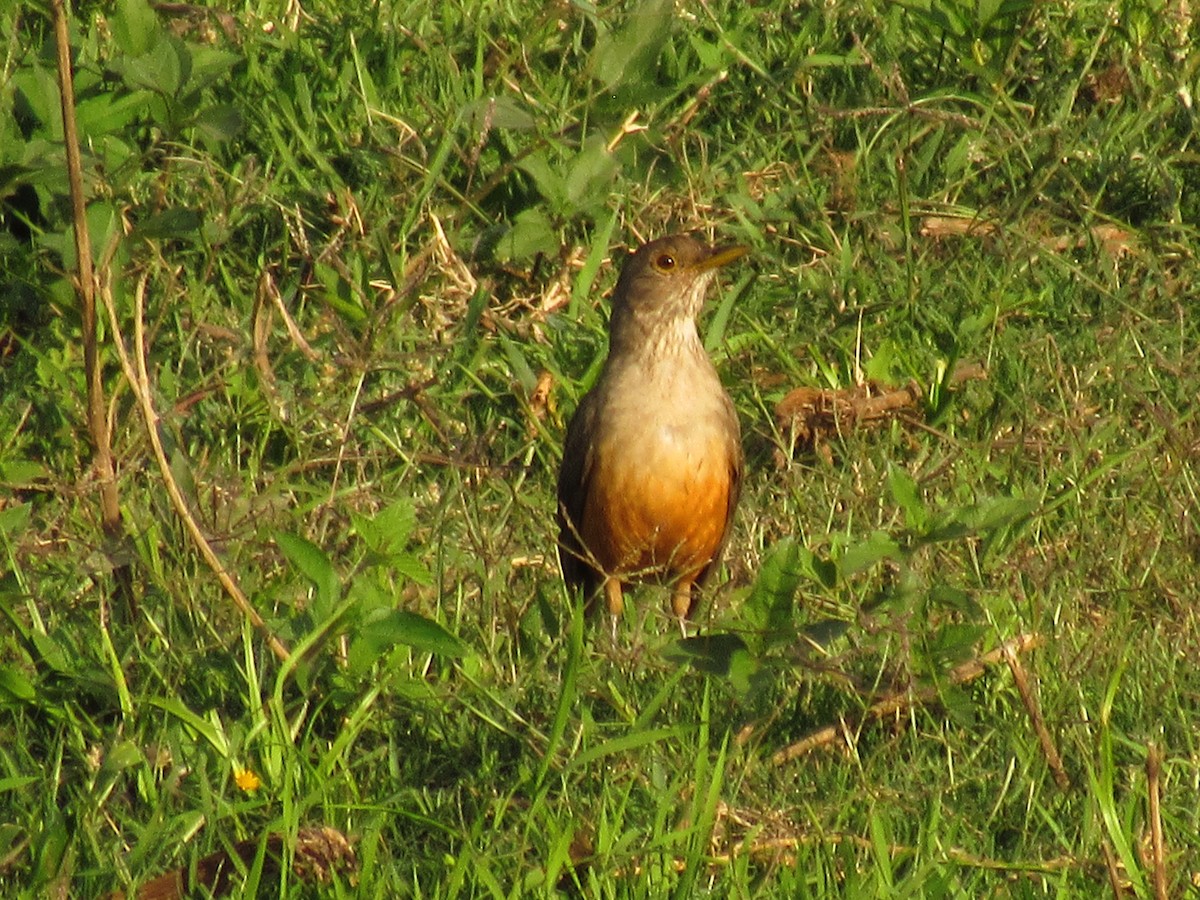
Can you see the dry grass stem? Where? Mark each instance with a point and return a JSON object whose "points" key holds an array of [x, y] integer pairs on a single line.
{"points": [[1033, 708], [810, 416], [1157, 845], [960, 674], [317, 854], [139, 381], [85, 286]]}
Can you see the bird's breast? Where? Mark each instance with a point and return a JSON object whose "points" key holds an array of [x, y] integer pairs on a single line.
{"points": [[665, 448]]}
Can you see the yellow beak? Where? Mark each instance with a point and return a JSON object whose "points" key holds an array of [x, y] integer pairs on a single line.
{"points": [[722, 257]]}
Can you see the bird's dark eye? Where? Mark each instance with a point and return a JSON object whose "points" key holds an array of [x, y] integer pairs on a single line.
{"points": [[665, 263]]}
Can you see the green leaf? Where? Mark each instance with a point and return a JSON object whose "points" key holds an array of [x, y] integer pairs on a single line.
{"points": [[208, 65], [314, 565], [546, 179], [203, 727], [38, 87], [175, 222], [384, 629], [944, 596], [13, 783], [15, 687], [531, 233], [219, 122], [107, 114], [408, 566], [162, 69], [713, 654], [135, 27], [769, 606], [388, 530], [712, 56], [630, 54], [590, 175], [907, 496], [518, 362], [878, 547], [120, 757], [14, 519], [987, 516], [501, 112]]}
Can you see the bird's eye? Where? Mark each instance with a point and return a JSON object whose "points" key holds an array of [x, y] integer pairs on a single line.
{"points": [[665, 263]]}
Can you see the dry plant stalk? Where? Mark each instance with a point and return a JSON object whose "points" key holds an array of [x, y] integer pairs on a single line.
{"points": [[139, 382], [317, 854], [85, 287], [1115, 241], [1157, 845], [809, 416], [1034, 709], [960, 674], [1116, 880]]}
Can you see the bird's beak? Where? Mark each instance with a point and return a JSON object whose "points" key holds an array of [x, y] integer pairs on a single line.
{"points": [[722, 256]]}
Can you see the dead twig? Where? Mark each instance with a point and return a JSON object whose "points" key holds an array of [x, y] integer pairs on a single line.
{"points": [[139, 381], [960, 674], [317, 853], [1157, 845], [85, 287], [809, 416], [1033, 708], [1116, 881]]}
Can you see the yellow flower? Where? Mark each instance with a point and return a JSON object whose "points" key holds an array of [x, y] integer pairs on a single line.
{"points": [[247, 780]]}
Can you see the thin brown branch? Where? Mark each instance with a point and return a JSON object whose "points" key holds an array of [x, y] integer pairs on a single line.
{"points": [[1157, 844], [85, 287], [809, 416], [1115, 880], [1034, 709], [960, 674], [317, 854], [139, 381]]}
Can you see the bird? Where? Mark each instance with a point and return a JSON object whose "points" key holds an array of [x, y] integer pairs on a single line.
{"points": [[652, 461]]}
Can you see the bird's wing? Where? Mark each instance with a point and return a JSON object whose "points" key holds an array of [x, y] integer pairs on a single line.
{"points": [[573, 477]]}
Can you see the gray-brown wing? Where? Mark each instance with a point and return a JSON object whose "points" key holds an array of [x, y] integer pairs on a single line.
{"points": [[573, 477]]}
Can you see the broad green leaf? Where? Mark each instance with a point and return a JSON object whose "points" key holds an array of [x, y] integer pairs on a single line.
{"points": [[314, 565], [589, 176], [389, 529], [135, 27], [769, 606], [108, 114], [219, 122], [14, 686], [208, 65], [630, 54], [14, 518], [878, 547], [531, 233], [162, 69], [383, 630], [907, 496], [710, 653], [175, 222], [413, 569], [546, 179]]}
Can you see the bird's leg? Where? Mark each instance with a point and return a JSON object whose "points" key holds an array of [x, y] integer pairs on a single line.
{"points": [[616, 601], [681, 604], [612, 593]]}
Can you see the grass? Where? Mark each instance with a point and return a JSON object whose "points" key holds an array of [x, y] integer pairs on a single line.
{"points": [[367, 237]]}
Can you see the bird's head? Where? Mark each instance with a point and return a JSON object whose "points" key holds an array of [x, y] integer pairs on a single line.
{"points": [[665, 280]]}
